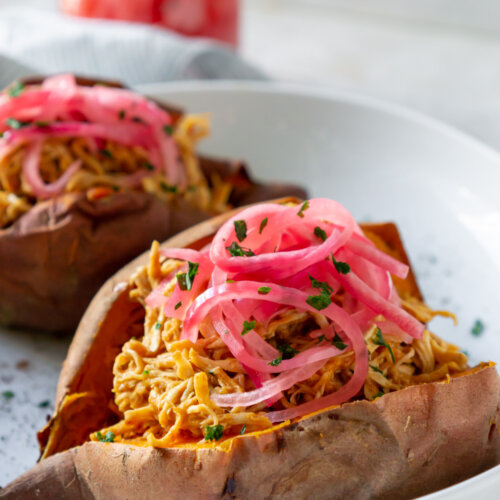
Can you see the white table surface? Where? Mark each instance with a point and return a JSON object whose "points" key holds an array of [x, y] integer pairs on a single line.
{"points": [[438, 56]]}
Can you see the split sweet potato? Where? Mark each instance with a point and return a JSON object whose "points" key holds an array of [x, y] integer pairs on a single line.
{"points": [[57, 255], [404, 444]]}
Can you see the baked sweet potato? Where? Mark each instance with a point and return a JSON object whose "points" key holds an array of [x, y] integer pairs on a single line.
{"points": [[57, 254], [404, 444]]}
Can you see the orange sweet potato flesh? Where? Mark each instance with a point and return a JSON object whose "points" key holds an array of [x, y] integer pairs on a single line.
{"points": [[402, 445], [57, 255]]}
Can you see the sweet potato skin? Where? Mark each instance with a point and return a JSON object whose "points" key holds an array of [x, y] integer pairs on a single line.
{"points": [[402, 445]]}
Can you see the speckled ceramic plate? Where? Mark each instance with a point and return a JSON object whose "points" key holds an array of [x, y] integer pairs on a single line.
{"points": [[383, 163]]}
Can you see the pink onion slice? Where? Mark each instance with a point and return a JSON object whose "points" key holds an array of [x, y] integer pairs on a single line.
{"points": [[31, 173]]}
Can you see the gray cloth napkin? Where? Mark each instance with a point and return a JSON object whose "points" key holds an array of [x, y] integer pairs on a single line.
{"points": [[41, 42]]}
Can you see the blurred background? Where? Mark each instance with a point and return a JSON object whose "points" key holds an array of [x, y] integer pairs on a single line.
{"points": [[437, 56]]}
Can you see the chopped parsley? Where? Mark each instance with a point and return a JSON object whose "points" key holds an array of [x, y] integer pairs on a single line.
{"points": [[145, 372], [379, 340], [243, 429], [378, 395], [158, 325], [236, 251], [341, 267], [378, 370], [121, 114], [338, 342], [179, 304], [303, 208], [8, 394], [167, 187], [319, 302], [149, 166], [185, 280], [240, 228], [16, 89], [42, 124], [263, 224], [321, 285], [229, 281], [44, 404], [321, 338], [106, 153], [275, 362], [213, 432], [247, 327], [15, 124], [264, 290], [478, 328], [168, 129], [320, 233], [287, 351], [116, 188], [109, 437]]}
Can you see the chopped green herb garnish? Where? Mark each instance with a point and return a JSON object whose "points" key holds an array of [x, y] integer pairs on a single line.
{"points": [[116, 188], [321, 285], [44, 404], [240, 228], [213, 432], [121, 114], [378, 339], [185, 280], [145, 372], [247, 327], [321, 338], [320, 233], [303, 208], [16, 89], [149, 166], [379, 394], [478, 328], [229, 281], [323, 300], [167, 187], [8, 394], [319, 302], [179, 304], [158, 325], [287, 351], [338, 342], [263, 224], [42, 124], [15, 124], [236, 251], [275, 362], [243, 429], [107, 153], [108, 438], [168, 129], [341, 267], [264, 290], [378, 370]]}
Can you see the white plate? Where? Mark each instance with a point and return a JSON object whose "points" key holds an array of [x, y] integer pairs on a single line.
{"points": [[380, 161], [383, 163]]}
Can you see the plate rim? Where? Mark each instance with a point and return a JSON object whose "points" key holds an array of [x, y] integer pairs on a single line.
{"points": [[320, 91]]}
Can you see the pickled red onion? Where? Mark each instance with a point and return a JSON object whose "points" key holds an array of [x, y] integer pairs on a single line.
{"points": [[283, 273], [96, 113]]}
